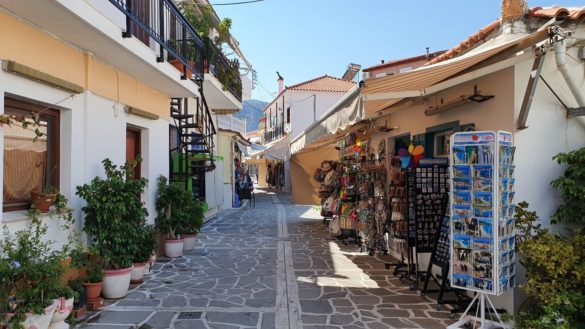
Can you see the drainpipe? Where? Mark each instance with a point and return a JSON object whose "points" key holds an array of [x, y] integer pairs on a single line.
{"points": [[561, 60]]}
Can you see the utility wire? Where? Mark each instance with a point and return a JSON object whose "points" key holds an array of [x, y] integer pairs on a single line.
{"points": [[235, 3]]}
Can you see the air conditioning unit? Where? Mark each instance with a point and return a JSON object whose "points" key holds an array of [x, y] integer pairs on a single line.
{"points": [[287, 128]]}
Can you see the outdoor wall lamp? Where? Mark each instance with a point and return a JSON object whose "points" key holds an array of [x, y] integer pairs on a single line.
{"points": [[477, 97]]}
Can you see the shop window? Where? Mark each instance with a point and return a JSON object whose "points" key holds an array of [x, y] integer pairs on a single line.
{"points": [[29, 165], [441, 143]]}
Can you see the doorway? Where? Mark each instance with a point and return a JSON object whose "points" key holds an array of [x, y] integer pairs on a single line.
{"points": [[133, 148]]}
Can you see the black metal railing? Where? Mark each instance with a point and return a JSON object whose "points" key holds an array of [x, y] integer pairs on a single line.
{"points": [[274, 133], [161, 22], [225, 70]]}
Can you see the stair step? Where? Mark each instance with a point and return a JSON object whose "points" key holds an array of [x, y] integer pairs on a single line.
{"points": [[181, 116], [190, 125], [198, 151], [194, 136], [196, 142]]}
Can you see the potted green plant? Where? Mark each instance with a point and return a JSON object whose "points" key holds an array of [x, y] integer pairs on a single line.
{"points": [[94, 281], [193, 223], [31, 272], [79, 308], [173, 214], [113, 213], [146, 244]]}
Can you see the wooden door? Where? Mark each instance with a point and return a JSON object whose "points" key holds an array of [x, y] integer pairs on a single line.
{"points": [[133, 148], [141, 8]]}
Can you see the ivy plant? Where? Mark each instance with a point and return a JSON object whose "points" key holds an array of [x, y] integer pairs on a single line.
{"points": [[572, 186]]}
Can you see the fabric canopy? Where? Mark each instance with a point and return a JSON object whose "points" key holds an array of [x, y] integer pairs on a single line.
{"points": [[344, 113], [277, 150], [379, 93]]}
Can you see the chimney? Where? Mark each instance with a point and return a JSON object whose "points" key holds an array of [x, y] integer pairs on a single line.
{"points": [[428, 54], [513, 10], [280, 82]]}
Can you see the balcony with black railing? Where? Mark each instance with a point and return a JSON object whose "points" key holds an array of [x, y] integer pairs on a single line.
{"points": [[225, 70], [274, 133], [160, 24]]}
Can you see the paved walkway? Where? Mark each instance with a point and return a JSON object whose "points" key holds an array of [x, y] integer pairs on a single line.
{"points": [[272, 266]]}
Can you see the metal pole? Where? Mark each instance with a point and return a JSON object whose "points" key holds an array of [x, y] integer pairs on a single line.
{"points": [[314, 107], [482, 305]]}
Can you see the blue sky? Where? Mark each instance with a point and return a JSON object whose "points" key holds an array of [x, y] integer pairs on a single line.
{"points": [[303, 39]]}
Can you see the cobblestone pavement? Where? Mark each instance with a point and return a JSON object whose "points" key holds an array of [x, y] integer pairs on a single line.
{"points": [[272, 266]]}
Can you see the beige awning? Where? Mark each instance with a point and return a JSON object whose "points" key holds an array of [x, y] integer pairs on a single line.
{"points": [[345, 112], [380, 93], [277, 150]]}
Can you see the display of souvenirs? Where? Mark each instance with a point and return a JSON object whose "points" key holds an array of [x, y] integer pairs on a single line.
{"points": [[430, 202], [482, 223]]}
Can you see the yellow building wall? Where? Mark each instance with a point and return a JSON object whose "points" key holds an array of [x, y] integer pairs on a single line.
{"points": [[302, 166], [224, 149], [28, 46]]}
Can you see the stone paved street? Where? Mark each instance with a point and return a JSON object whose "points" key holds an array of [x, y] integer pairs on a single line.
{"points": [[272, 266]]}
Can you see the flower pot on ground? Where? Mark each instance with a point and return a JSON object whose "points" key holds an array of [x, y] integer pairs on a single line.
{"points": [[146, 243], [114, 218], [193, 223], [116, 282], [30, 275], [137, 273], [62, 311], [39, 320], [189, 241], [174, 247], [174, 210], [94, 282]]}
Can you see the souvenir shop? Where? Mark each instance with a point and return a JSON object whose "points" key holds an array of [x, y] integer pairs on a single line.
{"points": [[353, 194]]}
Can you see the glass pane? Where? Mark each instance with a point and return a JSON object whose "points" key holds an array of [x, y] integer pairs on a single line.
{"points": [[27, 166]]}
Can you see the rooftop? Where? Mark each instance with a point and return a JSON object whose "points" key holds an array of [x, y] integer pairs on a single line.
{"points": [[482, 34], [404, 61], [324, 83]]}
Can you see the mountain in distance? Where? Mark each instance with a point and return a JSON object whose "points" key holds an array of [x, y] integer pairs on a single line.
{"points": [[251, 111]]}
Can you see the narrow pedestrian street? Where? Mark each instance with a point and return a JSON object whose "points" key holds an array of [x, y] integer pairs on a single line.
{"points": [[270, 266]]}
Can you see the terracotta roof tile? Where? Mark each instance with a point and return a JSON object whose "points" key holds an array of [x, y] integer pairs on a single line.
{"points": [[403, 61], [549, 12], [324, 83]]}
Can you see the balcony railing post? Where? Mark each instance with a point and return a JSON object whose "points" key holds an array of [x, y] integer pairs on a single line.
{"points": [[184, 51], [161, 22], [128, 32]]}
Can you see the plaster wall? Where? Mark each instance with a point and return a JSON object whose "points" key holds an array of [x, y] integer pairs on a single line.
{"points": [[92, 128]]}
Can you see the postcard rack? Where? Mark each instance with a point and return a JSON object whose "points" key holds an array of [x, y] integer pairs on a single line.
{"points": [[482, 226]]}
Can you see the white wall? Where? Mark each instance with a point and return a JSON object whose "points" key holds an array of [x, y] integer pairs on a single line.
{"points": [[302, 111], [92, 128], [549, 132]]}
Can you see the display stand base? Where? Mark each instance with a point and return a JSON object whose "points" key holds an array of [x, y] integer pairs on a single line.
{"points": [[472, 322], [480, 322]]}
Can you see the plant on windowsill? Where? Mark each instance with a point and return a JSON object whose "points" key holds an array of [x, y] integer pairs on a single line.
{"points": [[113, 215], [173, 213]]}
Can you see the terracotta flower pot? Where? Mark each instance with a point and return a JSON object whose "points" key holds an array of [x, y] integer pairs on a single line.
{"points": [[43, 201], [174, 248], [137, 273], [116, 282], [189, 243], [93, 290]]}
